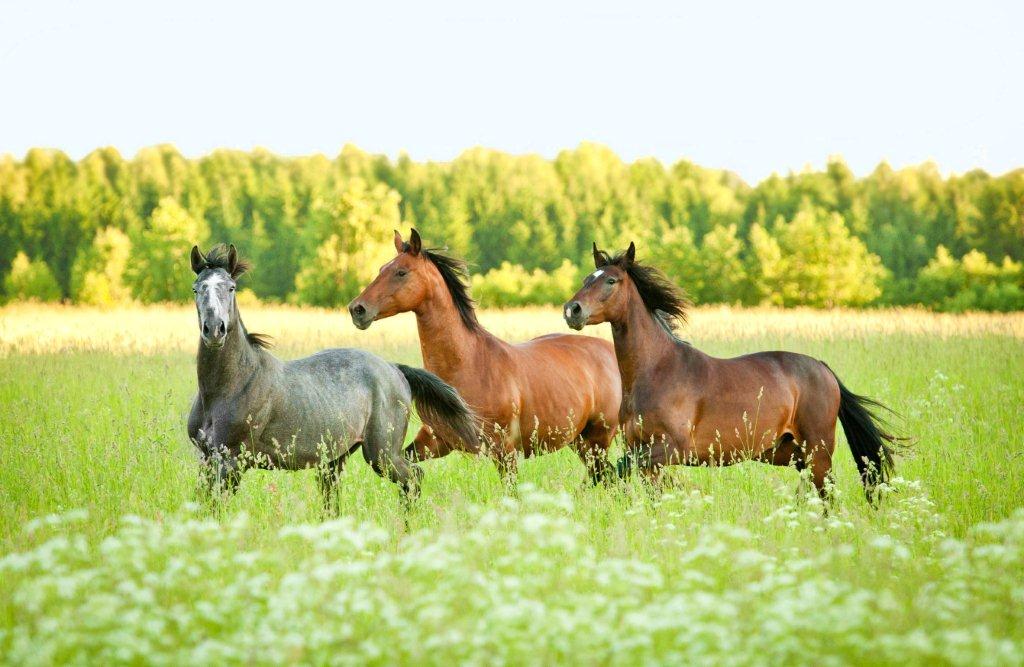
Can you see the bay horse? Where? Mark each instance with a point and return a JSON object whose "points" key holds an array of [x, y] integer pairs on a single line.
{"points": [[681, 406], [307, 413], [533, 397]]}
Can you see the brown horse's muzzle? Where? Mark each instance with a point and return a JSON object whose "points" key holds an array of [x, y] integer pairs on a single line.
{"points": [[576, 315], [362, 314]]}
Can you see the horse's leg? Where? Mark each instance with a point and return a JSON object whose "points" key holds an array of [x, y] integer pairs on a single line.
{"points": [[327, 474], [426, 445], [500, 446], [592, 448], [382, 449], [220, 474], [788, 452], [653, 456], [818, 457], [506, 459]]}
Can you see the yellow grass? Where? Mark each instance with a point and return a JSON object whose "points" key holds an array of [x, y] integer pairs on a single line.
{"points": [[41, 329]]}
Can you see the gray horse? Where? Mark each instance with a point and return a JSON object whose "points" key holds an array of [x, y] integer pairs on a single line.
{"points": [[254, 410]]}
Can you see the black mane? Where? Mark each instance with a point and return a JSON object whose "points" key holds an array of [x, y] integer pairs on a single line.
{"points": [[217, 258], [456, 279], [666, 301]]}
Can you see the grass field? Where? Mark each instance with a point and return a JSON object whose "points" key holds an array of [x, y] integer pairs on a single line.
{"points": [[104, 557]]}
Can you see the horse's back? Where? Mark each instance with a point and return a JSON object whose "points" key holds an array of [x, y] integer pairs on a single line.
{"points": [[568, 345], [345, 386], [777, 372]]}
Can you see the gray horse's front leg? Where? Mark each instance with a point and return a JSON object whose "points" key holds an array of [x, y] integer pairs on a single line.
{"points": [[220, 471]]}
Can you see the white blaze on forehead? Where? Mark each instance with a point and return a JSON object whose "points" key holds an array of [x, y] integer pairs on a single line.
{"points": [[212, 297], [215, 279], [597, 274]]}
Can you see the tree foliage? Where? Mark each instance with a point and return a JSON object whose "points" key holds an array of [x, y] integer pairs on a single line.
{"points": [[98, 275], [30, 280], [107, 229], [813, 260]]}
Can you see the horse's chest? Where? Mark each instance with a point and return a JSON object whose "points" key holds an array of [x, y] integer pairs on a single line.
{"points": [[644, 415], [227, 425]]}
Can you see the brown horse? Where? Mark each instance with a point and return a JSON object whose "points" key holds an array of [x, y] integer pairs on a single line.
{"points": [[534, 397], [681, 406]]}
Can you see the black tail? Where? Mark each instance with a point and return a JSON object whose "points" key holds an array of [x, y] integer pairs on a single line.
{"points": [[440, 406], [872, 446]]}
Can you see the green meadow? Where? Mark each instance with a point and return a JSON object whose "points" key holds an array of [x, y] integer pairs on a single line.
{"points": [[106, 557]]}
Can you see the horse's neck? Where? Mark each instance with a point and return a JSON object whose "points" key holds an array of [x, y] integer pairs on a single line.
{"points": [[225, 371], [445, 341], [641, 344]]}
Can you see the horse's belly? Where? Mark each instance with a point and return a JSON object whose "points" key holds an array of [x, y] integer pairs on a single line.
{"points": [[540, 436], [306, 446]]}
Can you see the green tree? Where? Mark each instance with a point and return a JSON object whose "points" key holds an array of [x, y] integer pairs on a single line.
{"points": [[722, 258], [351, 241], [674, 252], [972, 282], [98, 276], [159, 270], [30, 281], [813, 260]]}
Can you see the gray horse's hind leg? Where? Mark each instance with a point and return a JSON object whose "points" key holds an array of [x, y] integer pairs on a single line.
{"points": [[382, 449], [327, 474]]}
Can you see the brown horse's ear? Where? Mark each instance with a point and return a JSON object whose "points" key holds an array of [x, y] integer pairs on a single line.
{"points": [[600, 257], [415, 243], [630, 253], [198, 263], [232, 260], [399, 243]]}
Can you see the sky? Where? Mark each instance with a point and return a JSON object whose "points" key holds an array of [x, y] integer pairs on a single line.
{"points": [[752, 87]]}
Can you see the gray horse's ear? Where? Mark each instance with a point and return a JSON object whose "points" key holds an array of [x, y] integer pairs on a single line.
{"points": [[232, 260], [630, 253], [600, 258], [415, 243], [399, 243], [198, 263]]}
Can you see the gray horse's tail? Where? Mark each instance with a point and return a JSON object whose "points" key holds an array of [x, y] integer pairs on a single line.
{"points": [[440, 406]]}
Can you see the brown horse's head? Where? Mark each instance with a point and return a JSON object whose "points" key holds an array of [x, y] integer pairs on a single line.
{"points": [[407, 282], [603, 295], [606, 292]]}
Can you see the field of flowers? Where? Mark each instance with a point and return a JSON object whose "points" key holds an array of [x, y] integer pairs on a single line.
{"points": [[105, 557]]}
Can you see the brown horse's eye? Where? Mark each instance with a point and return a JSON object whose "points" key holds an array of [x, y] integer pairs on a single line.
{"points": [[612, 281], [401, 273]]}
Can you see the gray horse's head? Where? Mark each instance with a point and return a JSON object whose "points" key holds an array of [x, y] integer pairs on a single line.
{"points": [[214, 289]]}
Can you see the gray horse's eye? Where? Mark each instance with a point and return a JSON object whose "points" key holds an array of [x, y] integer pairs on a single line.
{"points": [[231, 289]]}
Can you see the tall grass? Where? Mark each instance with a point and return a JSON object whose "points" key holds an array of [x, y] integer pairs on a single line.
{"points": [[105, 559]]}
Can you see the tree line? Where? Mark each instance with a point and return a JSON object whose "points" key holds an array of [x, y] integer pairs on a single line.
{"points": [[106, 229]]}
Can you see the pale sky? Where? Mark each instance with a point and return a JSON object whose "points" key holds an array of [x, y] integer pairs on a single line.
{"points": [[754, 87]]}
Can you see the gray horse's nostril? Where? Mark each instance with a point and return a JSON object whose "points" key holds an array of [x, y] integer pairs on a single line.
{"points": [[206, 329], [222, 329]]}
